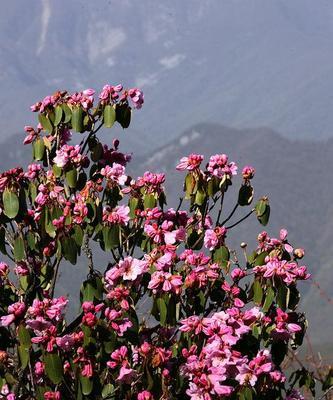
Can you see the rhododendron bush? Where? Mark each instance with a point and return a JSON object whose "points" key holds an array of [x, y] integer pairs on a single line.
{"points": [[175, 313]]}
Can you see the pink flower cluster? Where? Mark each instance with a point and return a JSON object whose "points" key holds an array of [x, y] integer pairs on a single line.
{"points": [[211, 369], [70, 155], [288, 271], [220, 166]]}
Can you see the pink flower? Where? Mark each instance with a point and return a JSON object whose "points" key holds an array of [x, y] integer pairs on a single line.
{"points": [[248, 172], [190, 163], [118, 215], [137, 97], [115, 173], [145, 395], [126, 375], [132, 268], [219, 166], [65, 342], [52, 396], [39, 368], [15, 310], [214, 237], [165, 282]]}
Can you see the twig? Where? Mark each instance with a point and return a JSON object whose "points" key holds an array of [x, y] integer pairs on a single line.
{"points": [[241, 220]]}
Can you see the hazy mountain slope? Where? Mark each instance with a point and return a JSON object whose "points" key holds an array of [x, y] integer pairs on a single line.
{"points": [[243, 63]]}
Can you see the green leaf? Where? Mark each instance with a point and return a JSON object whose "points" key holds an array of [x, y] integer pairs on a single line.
{"points": [[265, 218], [149, 201], [245, 195], [10, 203], [67, 113], [86, 385], [195, 240], [2, 240], [58, 115], [282, 296], [71, 178], [133, 205], [109, 116], [246, 394], [57, 171], [200, 197], [53, 367], [45, 122], [222, 256], [78, 235], [270, 294], [92, 289], [69, 249], [18, 251], [260, 207], [189, 185], [123, 115], [77, 119], [111, 237], [257, 292], [38, 149], [97, 152], [107, 391], [24, 355], [163, 311], [24, 336]]}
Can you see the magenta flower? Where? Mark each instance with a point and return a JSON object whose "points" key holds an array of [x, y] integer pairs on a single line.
{"points": [[137, 97], [116, 173], [248, 172], [118, 215], [190, 163]]}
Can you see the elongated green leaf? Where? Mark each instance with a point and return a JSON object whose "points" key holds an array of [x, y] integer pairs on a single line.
{"points": [[163, 311], [19, 249], [92, 289], [133, 205], [107, 391], [24, 355], [260, 207], [39, 148], [58, 115], [123, 115], [149, 201], [10, 203], [109, 116], [257, 292], [71, 178], [200, 197], [77, 119], [24, 336], [45, 122], [263, 219], [67, 113], [282, 297], [245, 195], [69, 249], [53, 367], [87, 385], [189, 185], [110, 237], [2, 240], [268, 299], [222, 256]]}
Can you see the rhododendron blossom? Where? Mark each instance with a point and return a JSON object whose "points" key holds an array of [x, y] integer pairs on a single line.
{"points": [[172, 310]]}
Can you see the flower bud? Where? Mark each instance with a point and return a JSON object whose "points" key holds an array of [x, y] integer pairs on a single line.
{"points": [[299, 253]]}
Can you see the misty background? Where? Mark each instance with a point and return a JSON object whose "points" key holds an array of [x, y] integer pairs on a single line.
{"points": [[249, 78]]}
